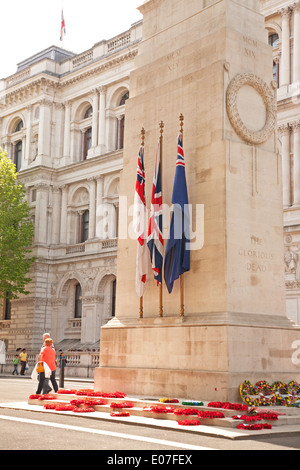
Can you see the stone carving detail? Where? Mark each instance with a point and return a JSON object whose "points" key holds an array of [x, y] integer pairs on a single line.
{"points": [[250, 79], [292, 264], [291, 261]]}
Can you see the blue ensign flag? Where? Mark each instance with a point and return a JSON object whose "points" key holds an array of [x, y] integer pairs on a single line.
{"points": [[177, 256]]}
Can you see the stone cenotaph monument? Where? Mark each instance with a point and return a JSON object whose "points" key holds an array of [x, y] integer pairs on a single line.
{"points": [[209, 60]]}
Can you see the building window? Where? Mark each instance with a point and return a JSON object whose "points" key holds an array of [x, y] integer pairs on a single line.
{"points": [[113, 298], [78, 302], [7, 310], [33, 195], [88, 113], [19, 126], [117, 220], [87, 142], [84, 226], [273, 39], [18, 155], [124, 98]]}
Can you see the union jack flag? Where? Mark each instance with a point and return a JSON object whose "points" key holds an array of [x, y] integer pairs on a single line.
{"points": [[140, 226], [177, 256], [155, 231], [63, 26]]}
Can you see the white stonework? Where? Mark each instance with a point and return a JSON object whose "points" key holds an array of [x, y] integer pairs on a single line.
{"points": [[283, 20], [63, 115]]}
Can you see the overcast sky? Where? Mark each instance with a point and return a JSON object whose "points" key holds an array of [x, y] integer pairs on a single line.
{"points": [[29, 26]]}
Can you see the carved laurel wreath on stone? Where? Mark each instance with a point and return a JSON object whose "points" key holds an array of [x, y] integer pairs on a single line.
{"points": [[267, 94]]}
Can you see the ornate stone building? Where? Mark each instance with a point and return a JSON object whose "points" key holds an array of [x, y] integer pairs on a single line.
{"points": [[283, 25], [62, 123]]}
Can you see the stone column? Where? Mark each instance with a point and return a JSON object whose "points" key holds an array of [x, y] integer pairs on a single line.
{"points": [[95, 118], [71, 236], [296, 59], [102, 120], [92, 223], [119, 140], [41, 213], [296, 131], [285, 47], [277, 75], [286, 166], [100, 184], [28, 135], [23, 158], [44, 128], [63, 219], [56, 215], [67, 132]]}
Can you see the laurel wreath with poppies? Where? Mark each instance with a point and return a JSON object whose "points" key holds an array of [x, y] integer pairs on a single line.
{"points": [[264, 394]]}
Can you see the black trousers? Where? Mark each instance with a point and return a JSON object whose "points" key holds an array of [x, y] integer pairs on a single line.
{"points": [[42, 379], [23, 366]]}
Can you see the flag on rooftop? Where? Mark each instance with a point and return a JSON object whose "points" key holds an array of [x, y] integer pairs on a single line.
{"points": [[62, 26]]}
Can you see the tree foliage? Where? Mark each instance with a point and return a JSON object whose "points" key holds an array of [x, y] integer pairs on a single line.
{"points": [[16, 233]]}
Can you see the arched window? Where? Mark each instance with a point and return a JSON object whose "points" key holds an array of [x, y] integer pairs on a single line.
{"points": [[19, 126], [78, 302], [124, 99], [273, 39], [88, 113], [87, 142], [18, 155]]}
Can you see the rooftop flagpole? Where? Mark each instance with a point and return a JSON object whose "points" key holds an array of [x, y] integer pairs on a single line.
{"points": [[62, 25]]}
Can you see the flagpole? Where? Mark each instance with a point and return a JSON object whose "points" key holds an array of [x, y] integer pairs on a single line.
{"points": [[161, 310], [181, 117], [142, 298]]}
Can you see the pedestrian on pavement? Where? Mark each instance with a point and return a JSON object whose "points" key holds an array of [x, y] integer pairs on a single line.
{"points": [[48, 355], [46, 386], [23, 360], [61, 358], [16, 363]]}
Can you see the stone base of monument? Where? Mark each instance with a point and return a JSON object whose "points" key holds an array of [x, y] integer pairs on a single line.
{"points": [[201, 358]]}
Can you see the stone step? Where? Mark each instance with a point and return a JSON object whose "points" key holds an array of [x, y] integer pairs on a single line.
{"points": [[141, 408]]}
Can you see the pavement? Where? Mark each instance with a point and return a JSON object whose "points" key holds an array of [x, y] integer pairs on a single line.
{"points": [[212, 431]]}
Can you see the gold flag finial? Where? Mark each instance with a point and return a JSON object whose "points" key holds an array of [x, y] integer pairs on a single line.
{"points": [[181, 117], [161, 125], [143, 132]]}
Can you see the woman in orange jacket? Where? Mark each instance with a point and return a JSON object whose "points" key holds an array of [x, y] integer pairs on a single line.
{"points": [[48, 355]]}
